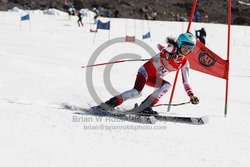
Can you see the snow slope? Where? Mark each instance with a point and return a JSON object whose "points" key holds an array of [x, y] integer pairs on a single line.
{"points": [[40, 70]]}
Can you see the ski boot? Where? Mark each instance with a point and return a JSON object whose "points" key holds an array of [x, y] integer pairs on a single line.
{"points": [[148, 111], [105, 108], [146, 106]]}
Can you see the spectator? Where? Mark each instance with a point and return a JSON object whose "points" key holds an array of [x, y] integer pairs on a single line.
{"points": [[183, 19], [110, 13], [172, 15], [205, 16], [201, 35], [197, 16], [154, 15], [146, 12], [71, 11], [146, 16], [177, 18], [116, 13], [101, 10]]}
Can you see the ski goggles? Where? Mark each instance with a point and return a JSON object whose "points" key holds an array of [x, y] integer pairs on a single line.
{"points": [[188, 47]]}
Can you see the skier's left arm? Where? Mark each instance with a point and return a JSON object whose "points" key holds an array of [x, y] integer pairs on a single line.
{"points": [[197, 32], [167, 51], [186, 83]]}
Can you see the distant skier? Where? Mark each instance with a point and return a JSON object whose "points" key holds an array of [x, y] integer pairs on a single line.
{"points": [[171, 58], [201, 35], [96, 11], [71, 11], [79, 21]]}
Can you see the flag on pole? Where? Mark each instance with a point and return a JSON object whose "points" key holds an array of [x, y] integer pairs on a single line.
{"points": [[148, 35], [103, 26], [25, 17], [204, 60], [91, 30], [130, 38]]}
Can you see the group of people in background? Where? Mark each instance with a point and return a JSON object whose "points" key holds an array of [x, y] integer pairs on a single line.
{"points": [[97, 11], [72, 12], [148, 14], [199, 34]]}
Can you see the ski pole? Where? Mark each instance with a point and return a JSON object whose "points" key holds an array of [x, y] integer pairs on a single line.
{"points": [[177, 104], [114, 62]]}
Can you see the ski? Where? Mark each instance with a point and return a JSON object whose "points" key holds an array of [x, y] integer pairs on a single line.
{"points": [[152, 118], [188, 120], [133, 116]]}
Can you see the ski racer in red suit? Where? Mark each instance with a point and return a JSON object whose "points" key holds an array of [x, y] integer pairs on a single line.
{"points": [[170, 58]]}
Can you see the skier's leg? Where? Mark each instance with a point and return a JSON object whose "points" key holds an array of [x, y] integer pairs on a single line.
{"points": [[140, 82], [163, 86]]}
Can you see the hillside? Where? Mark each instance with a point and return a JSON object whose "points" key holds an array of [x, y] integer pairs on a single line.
{"points": [[166, 10], [40, 70]]}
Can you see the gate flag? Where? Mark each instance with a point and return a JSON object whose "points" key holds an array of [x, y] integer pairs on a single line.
{"points": [[25, 17], [130, 38], [103, 26], [204, 60], [146, 36]]}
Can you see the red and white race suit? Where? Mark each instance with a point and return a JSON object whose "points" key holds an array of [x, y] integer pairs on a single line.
{"points": [[152, 72]]}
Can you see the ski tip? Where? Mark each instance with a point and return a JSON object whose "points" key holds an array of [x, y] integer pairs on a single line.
{"points": [[200, 121], [152, 119], [148, 119]]}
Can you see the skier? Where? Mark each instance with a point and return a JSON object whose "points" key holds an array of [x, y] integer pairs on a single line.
{"points": [[171, 58], [96, 11], [79, 21], [71, 11], [201, 35]]}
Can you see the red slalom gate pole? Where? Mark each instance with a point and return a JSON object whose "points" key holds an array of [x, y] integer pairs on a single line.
{"points": [[191, 15], [177, 72], [172, 93], [228, 53]]}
